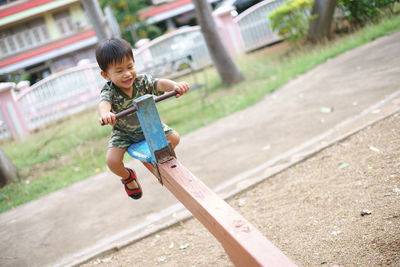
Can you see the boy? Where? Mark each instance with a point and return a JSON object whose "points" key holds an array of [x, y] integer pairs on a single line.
{"points": [[117, 64]]}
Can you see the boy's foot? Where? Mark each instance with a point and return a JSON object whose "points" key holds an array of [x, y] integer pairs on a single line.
{"points": [[135, 192]]}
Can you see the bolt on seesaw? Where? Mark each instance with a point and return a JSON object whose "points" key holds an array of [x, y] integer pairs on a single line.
{"points": [[243, 243]]}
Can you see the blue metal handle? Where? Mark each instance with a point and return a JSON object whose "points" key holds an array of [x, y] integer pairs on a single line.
{"points": [[134, 109]]}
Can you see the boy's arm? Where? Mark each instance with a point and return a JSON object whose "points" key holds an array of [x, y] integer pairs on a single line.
{"points": [[165, 85], [105, 114]]}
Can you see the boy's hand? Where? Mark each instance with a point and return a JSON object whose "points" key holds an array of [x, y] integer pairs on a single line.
{"points": [[107, 118], [181, 88]]}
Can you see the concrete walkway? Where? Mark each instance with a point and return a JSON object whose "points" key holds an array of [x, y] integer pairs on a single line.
{"points": [[309, 113]]}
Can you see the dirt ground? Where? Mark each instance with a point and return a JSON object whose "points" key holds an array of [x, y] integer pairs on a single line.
{"points": [[340, 206]]}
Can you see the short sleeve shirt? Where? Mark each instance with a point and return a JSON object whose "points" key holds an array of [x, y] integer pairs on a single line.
{"points": [[129, 124]]}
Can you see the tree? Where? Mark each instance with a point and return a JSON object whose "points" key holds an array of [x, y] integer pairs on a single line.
{"points": [[226, 67], [127, 14], [320, 26], [96, 19], [8, 171]]}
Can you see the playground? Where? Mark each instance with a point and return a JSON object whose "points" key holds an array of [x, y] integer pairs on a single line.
{"points": [[313, 166]]}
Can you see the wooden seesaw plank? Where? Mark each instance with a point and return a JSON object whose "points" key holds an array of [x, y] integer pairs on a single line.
{"points": [[243, 243]]}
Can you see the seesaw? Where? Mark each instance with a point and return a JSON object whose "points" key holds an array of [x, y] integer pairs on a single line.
{"points": [[243, 243]]}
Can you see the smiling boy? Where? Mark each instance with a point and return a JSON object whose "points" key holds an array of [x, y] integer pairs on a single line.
{"points": [[117, 64]]}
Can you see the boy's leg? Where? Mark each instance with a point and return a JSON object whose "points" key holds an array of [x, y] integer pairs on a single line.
{"points": [[174, 138], [115, 156]]}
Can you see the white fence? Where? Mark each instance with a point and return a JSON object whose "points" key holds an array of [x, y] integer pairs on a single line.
{"points": [[4, 130], [61, 95], [156, 56], [254, 25]]}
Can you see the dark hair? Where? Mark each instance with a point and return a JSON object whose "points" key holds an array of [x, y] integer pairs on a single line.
{"points": [[111, 51]]}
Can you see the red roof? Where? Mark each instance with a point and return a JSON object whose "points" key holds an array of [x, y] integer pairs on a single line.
{"points": [[12, 9], [47, 48], [154, 10]]}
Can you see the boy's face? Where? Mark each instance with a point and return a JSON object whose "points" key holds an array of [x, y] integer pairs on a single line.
{"points": [[122, 74]]}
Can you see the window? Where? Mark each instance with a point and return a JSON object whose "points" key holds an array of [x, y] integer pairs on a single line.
{"points": [[39, 30], [3, 47], [28, 37], [11, 43], [19, 37], [64, 22], [5, 2]]}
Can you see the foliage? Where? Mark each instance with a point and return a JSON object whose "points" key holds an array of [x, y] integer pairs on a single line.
{"points": [[360, 12], [292, 19], [396, 8], [16, 78], [145, 30], [127, 14]]}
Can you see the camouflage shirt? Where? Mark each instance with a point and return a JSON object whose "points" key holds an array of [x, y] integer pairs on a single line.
{"points": [[128, 125]]}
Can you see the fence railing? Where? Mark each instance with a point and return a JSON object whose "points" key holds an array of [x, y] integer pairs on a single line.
{"points": [[61, 95], [5, 132], [154, 56], [254, 25]]}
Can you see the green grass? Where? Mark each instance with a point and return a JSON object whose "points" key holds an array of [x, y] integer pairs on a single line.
{"points": [[74, 149]]}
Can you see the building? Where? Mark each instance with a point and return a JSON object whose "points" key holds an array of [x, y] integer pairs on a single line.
{"points": [[168, 14], [40, 37]]}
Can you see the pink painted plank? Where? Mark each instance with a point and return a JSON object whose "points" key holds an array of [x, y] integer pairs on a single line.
{"points": [[244, 244]]}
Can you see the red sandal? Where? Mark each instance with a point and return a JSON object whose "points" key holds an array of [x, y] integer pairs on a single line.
{"points": [[135, 193]]}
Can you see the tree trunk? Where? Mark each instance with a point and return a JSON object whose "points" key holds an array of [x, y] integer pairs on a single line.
{"points": [[8, 172], [320, 27], [226, 67], [97, 19]]}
